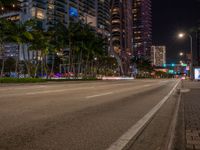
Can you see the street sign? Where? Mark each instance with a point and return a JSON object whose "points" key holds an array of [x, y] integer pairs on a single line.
{"points": [[184, 65], [171, 71], [197, 73]]}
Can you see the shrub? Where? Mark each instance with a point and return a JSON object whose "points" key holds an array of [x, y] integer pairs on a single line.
{"points": [[21, 80]]}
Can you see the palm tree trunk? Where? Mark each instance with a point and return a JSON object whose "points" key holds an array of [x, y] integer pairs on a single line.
{"points": [[16, 65], [53, 62], [36, 69], [17, 71], [3, 59], [42, 67], [79, 63], [86, 65], [73, 65], [2, 67], [45, 67], [25, 61]]}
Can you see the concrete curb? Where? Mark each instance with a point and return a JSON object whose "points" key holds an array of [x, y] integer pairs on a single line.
{"points": [[172, 129]]}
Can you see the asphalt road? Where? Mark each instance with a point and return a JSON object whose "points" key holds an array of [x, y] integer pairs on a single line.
{"points": [[74, 115]]}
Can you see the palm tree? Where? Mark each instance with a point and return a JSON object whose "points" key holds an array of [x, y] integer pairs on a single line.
{"points": [[143, 65], [85, 45], [75, 43], [58, 35], [22, 36], [42, 46], [5, 33]]}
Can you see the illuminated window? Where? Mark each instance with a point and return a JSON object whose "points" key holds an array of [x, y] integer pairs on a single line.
{"points": [[40, 14]]}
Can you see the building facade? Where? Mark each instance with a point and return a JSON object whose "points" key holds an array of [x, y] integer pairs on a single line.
{"points": [[96, 13], [158, 55], [103, 17], [121, 32], [131, 29], [142, 28], [51, 12], [126, 23], [198, 46]]}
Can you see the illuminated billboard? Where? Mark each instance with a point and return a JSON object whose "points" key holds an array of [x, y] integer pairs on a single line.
{"points": [[197, 73], [73, 12]]}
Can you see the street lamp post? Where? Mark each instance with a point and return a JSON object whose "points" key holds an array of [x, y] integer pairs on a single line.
{"points": [[182, 35], [191, 48], [181, 53]]}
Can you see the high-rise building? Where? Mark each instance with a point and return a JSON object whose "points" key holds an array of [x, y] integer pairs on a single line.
{"points": [[131, 29], [49, 12], [126, 23], [52, 11], [158, 55], [103, 17], [198, 47], [142, 28], [88, 11], [12, 12], [121, 32]]}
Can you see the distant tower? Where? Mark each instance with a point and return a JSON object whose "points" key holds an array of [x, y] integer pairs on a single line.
{"points": [[198, 46], [121, 32], [158, 55], [142, 28], [103, 17]]}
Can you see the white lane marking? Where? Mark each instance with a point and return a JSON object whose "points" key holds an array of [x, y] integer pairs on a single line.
{"points": [[103, 94], [185, 90], [124, 141], [147, 85], [24, 88], [55, 91], [126, 84], [164, 81], [45, 92]]}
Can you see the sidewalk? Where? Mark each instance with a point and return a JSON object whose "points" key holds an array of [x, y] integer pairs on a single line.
{"points": [[190, 113]]}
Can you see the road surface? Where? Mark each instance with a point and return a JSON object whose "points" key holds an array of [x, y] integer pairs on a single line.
{"points": [[75, 115]]}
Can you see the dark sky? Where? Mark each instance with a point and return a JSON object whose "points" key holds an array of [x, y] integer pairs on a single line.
{"points": [[170, 17]]}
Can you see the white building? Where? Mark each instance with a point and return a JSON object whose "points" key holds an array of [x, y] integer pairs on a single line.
{"points": [[158, 55]]}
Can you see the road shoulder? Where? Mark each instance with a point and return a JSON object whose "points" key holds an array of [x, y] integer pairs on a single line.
{"points": [[156, 135]]}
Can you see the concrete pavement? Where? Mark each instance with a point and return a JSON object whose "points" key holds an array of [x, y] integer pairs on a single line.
{"points": [[188, 129], [73, 116]]}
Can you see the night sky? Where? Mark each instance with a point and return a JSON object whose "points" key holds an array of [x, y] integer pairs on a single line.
{"points": [[170, 17]]}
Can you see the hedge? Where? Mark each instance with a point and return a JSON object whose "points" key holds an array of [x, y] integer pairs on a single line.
{"points": [[21, 80]]}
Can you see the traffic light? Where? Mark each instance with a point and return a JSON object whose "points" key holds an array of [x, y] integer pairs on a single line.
{"points": [[173, 65], [171, 71], [184, 65]]}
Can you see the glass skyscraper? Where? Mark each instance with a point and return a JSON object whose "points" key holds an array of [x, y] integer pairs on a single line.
{"points": [[142, 28]]}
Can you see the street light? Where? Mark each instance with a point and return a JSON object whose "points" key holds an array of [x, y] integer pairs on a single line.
{"points": [[182, 35], [181, 53]]}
